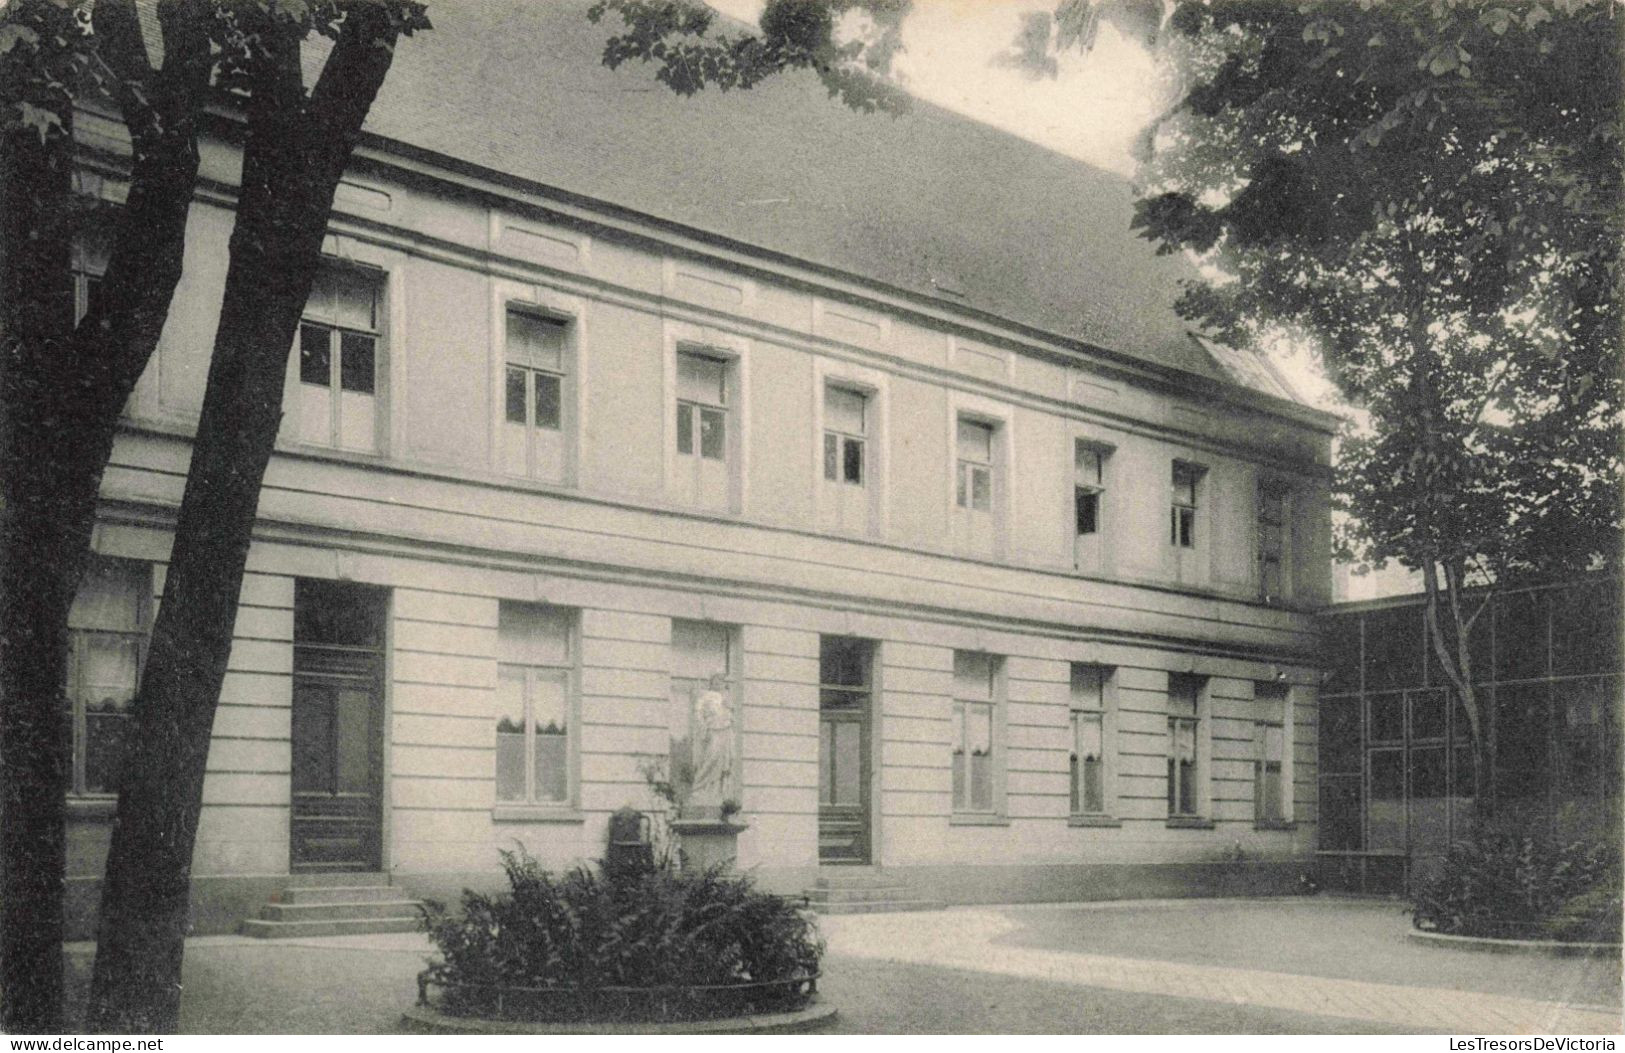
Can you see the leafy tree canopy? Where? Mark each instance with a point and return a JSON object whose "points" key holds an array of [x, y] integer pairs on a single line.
{"points": [[848, 44], [1427, 193]]}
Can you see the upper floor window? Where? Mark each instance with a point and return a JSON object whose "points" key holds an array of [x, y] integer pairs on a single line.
{"points": [[1271, 542], [1184, 722], [1088, 726], [974, 726], [535, 704], [340, 341], [106, 637], [1088, 485], [1088, 504], [702, 406], [535, 381], [704, 448], [974, 488], [1182, 514], [845, 435], [90, 252]]}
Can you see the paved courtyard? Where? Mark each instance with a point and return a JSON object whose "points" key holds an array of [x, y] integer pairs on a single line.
{"points": [[1312, 966]]}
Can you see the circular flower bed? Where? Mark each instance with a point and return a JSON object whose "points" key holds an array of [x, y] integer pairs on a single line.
{"points": [[620, 944], [576, 1004]]}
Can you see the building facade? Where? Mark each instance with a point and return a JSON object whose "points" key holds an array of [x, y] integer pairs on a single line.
{"points": [[951, 555], [1397, 759]]}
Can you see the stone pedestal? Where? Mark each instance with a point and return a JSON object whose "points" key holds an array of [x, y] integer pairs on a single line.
{"points": [[707, 841]]}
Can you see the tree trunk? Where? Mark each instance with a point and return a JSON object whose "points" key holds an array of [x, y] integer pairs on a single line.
{"points": [[294, 154], [62, 389], [35, 181]]}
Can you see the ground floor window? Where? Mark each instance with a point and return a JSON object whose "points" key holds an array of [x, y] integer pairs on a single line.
{"points": [[1184, 759], [535, 691], [106, 636], [974, 727]]}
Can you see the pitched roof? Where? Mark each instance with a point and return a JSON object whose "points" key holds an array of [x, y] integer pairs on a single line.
{"points": [[929, 202]]}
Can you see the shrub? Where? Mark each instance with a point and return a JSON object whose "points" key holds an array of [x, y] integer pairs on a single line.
{"points": [[1512, 886], [643, 944]]}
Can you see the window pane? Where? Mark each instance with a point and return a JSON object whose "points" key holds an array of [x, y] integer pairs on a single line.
{"points": [[1183, 691], [844, 410], [1088, 512], [549, 701], [832, 458], [981, 782], [552, 768], [713, 435], [315, 354], [826, 777], [515, 395], [536, 341], [352, 734], [1183, 734], [511, 734], [1184, 486], [530, 634], [337, 612], [356, 362], [110, 595], [852, 462], [1094, 785], [979, 729], [312, 738], [549, 717], [107, 672], [1387, 718], [1340, 735], [848, 762], [1086, 462], [843, 662], [93, 294], [1086, 680], [962, 497], [355, 297], [981, 489], [548, 401], [1089, 735], [1427, 715], [702, 379], [1074, 772], [685, 428], [973, 676], [1274, 741], [979, 756], [975, 442], [961, 759], [104, 747]]}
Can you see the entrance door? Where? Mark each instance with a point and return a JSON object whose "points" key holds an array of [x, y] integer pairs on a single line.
{"points": [[843, 751], [337, 727]]}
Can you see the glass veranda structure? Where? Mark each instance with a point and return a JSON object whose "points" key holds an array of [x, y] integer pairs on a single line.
{"points": [[1396, 747]]}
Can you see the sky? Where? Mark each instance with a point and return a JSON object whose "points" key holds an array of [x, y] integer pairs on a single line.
{"points": [[1092, 110]]}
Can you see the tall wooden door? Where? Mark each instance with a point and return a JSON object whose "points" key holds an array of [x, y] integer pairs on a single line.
{"points": [[337, 730], [845, 696]]}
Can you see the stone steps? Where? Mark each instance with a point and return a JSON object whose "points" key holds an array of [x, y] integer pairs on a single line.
{"points": [[335, 910], [864, 892]]}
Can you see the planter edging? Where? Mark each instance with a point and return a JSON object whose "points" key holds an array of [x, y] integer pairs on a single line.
{"points": [[426, 1020], [1488, 945]]}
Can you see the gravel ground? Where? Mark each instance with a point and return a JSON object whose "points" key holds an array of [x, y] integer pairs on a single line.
{"points": [[1318, 936], [361, 984]]}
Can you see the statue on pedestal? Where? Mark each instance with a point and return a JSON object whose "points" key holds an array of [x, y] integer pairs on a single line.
{"points": [[712, 736]]}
